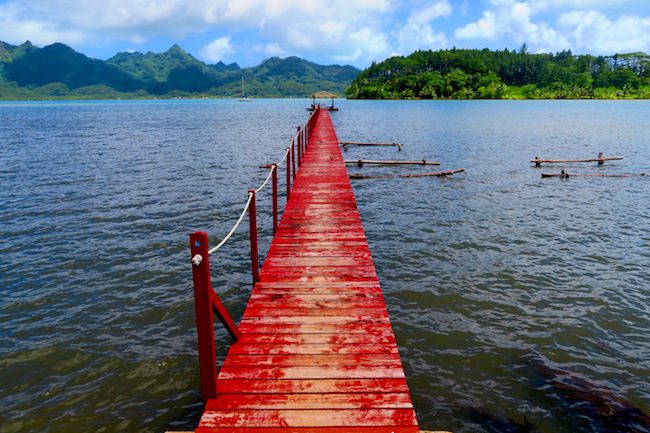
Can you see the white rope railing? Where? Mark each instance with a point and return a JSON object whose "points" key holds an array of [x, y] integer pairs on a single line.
{"points": [[286, 154], [251, 195], [268, 178], [232, 231]]}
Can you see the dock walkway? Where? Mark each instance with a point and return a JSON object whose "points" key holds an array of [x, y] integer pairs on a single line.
{"points": [[317, 351]]}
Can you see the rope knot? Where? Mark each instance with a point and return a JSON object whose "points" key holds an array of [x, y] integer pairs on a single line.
{"points": [[197, 259]]}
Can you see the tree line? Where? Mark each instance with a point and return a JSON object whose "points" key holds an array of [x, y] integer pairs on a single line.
{"points": [[504, 74]]}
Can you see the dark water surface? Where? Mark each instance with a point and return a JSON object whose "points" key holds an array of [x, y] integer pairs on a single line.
{"points": [[514, 299]]}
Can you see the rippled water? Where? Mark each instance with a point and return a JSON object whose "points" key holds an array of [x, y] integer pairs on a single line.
{"points": [[514, 299]]}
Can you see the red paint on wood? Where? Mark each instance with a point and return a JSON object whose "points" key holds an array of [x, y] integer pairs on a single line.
{"points": [[252, 218], [274, 186], [317, 353], [203, 312]]}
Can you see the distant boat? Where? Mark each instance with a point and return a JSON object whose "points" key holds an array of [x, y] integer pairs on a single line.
{"points": [[244, 98]]}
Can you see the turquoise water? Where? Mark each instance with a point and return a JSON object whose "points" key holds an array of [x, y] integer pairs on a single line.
{"points": [[516, 301]]}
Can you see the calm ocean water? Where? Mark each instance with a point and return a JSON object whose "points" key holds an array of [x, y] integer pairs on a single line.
{"points": [[519, 304]]}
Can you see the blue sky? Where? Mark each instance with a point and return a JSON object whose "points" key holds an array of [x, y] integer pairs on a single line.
{"points": [[326, 31]]}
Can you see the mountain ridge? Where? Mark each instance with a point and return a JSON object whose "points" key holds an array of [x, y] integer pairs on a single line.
{"points": [[58, 71]]}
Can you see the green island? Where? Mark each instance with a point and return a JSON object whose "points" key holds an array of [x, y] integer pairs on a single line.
{"points": [[506, 74], [58, 72]]}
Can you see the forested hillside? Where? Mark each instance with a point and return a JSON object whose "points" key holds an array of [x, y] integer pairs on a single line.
{"points": [[468, 74], [57, 72]]}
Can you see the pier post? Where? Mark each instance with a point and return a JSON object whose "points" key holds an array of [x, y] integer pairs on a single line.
{"points": [[293, 158], [288, 175], [204, 317], [299, 137], [252, 219], [274, 185]]}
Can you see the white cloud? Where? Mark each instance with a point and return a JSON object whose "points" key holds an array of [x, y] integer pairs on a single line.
{"points": [[589, 30], [217, 50], [484, 28], [326, 27], [272, 49], [418, 32], [564, 5], [366, 45], [16, 27], [514, 19], [594, 32], [437, 10]]}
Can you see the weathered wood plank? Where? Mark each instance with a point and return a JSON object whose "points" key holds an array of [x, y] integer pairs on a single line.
{"points": [[310, 349], [300, 386], [389, 359], [317, 352], [307, 418], [311, 401], [311, 372]]}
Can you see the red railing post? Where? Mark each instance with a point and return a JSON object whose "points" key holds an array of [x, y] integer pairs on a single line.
{"points": [[293, 158], [252, 219], [203, 311], [288, 174], [299, 138], [274, 185]]}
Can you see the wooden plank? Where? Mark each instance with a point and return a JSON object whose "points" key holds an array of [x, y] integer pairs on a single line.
{"points": [[301, 328], [349, 429], [317, 352], [310, 349], [319, 312], [338, 338], [311, 372], [311, 401], [307, 418], [388, 359], [310, 386]]}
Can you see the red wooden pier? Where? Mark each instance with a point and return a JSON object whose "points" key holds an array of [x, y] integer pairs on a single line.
{"points": [[315, 350]]}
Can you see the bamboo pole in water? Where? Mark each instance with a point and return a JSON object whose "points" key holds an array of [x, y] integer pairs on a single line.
{"points": [[345, 144], [390, 176], [361, 162], [600, 160], [565, 175]]}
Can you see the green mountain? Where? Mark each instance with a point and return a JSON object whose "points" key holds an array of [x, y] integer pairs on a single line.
{"points": [[57, 71], [469, 74], [59, 63]]}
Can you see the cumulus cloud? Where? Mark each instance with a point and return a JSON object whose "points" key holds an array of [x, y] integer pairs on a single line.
{"points": [[418, 33], [484, 28], [580, 30], [594, 32], [323, 26], [366, 44], [217, 50], [437, 10], [17, 26], [515, 20], [355, 31], [272, 49]]}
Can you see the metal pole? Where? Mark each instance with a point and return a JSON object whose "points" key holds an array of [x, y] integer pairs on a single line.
{"points": [[274, 184], [204, 317], [252, 219]]}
